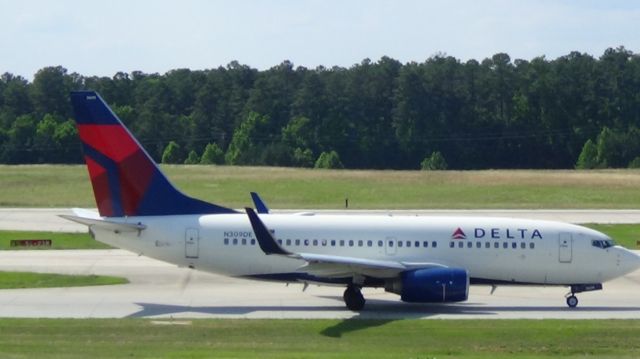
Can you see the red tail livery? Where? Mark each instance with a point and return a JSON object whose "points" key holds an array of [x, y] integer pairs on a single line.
{"points": [[126, 181]]}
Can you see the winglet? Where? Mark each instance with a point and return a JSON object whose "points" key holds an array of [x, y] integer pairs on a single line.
{"points": [[261, 207], [265, 239]]}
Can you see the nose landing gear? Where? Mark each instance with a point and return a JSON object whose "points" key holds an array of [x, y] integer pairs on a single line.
{"points": [[572, 300]]}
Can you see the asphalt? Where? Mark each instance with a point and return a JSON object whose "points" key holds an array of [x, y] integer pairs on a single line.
{"points": [[161, 290]]}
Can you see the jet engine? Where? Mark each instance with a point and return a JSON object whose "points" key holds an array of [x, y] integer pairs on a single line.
{"points": [[433, 285]]}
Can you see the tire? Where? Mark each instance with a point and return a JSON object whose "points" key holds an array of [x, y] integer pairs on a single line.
{"points": [[353, 298], [572, 301]]}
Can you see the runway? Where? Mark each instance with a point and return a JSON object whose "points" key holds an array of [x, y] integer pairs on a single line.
{"points": [[161, 290], [46, 219]]}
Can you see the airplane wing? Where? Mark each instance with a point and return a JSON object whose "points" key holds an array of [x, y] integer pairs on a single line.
{"points": [[323, 265]]}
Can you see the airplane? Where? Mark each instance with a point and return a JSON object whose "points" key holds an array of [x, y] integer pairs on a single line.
{"points": [[422, 259]]}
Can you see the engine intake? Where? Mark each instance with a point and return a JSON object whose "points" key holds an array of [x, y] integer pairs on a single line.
{"points": [[434, 285]]}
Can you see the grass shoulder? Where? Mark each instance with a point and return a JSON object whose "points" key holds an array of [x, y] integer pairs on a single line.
{"points": [[59, 240], [297, 188], [15, 280], [352, 338]]}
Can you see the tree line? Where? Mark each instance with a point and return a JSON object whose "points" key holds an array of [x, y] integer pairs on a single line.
{"points": [[575, 110]]}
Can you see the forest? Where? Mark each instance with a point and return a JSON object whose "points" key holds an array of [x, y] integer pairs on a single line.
{"points": [[575, 111]]}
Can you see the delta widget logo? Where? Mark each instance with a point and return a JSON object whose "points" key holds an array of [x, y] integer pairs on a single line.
{"points": [[458, 234]]}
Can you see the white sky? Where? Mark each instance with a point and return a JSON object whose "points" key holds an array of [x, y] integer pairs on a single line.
{"points": [[103, 37]]}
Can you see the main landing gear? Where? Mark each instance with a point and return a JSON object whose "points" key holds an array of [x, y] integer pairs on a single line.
{"points": [[572, 300], [353, 298]]}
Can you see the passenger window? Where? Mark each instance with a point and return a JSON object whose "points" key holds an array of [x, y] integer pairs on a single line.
{"points": [[399, 243], [434, 244], [280, 241], [505, 245], [390, 243], [253, 242], [469, 244], [496, 244], [288, 242], [523, 245], [244, 241], [425, 244], [369, 243], [226, 241], [514, 245], [460, 244], [478, 244], [297, 242], [342, 243], [487, 245], [350, 243], [380, 244], [408, 243], [333, 243], [235, 241], [452, 244], [360, 243], [324, 242], [532, 245]]}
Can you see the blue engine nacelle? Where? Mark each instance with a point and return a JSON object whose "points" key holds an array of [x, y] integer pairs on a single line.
{"points": [[434, 285]]}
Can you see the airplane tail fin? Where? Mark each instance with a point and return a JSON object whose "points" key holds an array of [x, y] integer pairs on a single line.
{"points": [[125, 179]]}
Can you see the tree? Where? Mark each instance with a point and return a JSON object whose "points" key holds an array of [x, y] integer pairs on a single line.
{"points": [[329, 160], [435, 162], [172, 153], [192, 158], [302, 158], [588, 158], [212, 155], [635, 163], [244, 148]]}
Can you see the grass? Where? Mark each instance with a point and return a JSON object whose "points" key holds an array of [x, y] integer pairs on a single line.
{"points": [[352, 338], [58, 240], [289, 188], [13, 280]]}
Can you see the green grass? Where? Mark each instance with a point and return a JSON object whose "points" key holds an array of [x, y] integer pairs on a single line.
{"points": [[289, 188], [58, 240], [12, 280], [138, 338]]}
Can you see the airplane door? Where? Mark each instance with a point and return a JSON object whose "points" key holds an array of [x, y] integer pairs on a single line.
{"points": [[191, 243], [390, 245], [565, 242]]}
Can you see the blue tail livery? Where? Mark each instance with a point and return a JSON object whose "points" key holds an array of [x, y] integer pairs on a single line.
{"points": [[125, 179]]}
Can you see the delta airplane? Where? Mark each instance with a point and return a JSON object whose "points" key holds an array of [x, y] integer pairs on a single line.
{"points": [[422, 259]]}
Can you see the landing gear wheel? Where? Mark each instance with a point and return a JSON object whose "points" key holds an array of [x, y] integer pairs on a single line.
{"points": [[572, 301], [353, 298]]}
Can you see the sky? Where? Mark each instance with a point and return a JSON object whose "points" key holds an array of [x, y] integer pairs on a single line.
{"points": [[100, 38]]}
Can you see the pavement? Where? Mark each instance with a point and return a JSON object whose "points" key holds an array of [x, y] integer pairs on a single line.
{"points": [[162, 290]]}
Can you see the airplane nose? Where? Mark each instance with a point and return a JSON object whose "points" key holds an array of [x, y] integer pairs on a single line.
{"points": [[628, 261]]}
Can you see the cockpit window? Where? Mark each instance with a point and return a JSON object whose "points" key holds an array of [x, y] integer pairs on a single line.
{"points": [[602, 243]]}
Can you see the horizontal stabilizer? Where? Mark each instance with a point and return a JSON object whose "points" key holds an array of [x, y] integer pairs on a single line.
{"points": [[104, 224]]}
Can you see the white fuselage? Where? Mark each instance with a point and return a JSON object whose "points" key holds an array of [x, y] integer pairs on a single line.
{"points": [[490, 249]]}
